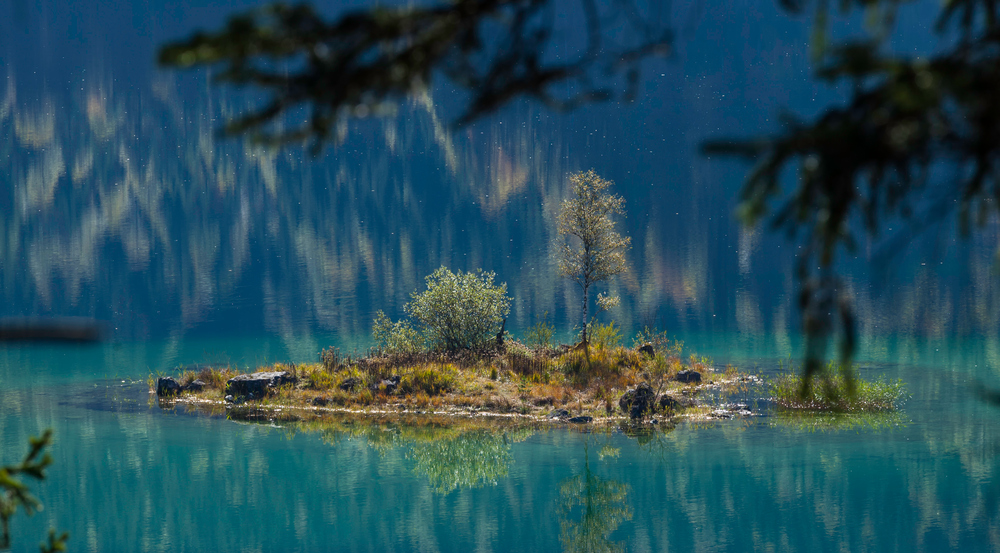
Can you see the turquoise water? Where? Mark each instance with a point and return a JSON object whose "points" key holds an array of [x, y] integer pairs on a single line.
{"points": [[118, 201], [129, 476]]}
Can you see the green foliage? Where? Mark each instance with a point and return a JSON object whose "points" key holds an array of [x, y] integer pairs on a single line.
{"points": [[606, 302], [430, 379], [320, 379], [395, 338], [15, 493], [592, 250], [460, 310], [540, 335], [606, 336], [468, 460], [821, 421], [660, 370], [832, 393], [56, 542], [591, 508]]}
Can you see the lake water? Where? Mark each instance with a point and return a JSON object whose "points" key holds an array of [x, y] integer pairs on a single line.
{"points": [[130, 476], [120, 202]]}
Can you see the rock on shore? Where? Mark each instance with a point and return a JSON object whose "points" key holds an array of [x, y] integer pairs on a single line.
{"points": [[257, 385], [638, 402]]}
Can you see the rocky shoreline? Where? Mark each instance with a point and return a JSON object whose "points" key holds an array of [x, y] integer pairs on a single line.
{"points": [[278, 395]]}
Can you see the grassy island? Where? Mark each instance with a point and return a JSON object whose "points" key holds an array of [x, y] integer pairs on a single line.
{"points": [[451, 355], [511, 380]]}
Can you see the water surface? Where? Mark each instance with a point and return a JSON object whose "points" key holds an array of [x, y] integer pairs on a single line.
{"points": [[131, 476]]}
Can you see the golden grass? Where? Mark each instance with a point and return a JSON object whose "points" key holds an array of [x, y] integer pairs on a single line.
{"points": [[519, 381]]}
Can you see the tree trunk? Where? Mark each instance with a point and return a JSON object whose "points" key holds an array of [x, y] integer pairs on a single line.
{"points": [[586, 340]]}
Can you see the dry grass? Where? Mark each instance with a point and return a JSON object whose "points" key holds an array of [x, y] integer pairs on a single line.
{"points": [[515, 381]]}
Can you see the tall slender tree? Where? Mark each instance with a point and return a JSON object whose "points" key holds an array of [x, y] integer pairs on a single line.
{"points": [[592, 250]]}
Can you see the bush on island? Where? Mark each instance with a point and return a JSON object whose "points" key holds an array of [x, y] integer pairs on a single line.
{"points": [[457, 311]]}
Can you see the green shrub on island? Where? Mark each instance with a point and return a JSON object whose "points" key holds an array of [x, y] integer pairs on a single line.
{"points": [[458, 311], [833, 394], [396, 338]]}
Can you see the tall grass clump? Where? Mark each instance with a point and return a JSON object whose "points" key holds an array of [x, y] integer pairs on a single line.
{"points": [[833, 394], [540, 335], [431, 379]]}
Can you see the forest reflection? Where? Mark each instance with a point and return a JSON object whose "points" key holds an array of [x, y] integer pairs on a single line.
{"points": [[125, 206]]}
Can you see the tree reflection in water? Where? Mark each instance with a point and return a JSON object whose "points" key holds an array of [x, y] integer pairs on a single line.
{"points": [[466, 460], [590, 509]]}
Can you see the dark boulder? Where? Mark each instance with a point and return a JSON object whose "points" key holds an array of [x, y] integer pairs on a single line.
{"points": [[349, 384], [167, 386], [668, 403], [390, 384], [195, 386], [257, 385], [648, 350], [582, 419], [688, 376], [638, 402], [559, 414]]}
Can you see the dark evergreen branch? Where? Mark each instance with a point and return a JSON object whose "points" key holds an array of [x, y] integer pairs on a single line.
{"points": [[15, 493], [869, 160], [365, 62]]}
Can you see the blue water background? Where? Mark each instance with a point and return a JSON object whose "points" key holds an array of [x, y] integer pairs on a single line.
{"points": [[118, 201]]}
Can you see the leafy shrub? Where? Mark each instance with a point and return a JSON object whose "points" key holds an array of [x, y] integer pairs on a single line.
{"points": [[395, 338], [540, 335], [605, 336], [459, 310]]}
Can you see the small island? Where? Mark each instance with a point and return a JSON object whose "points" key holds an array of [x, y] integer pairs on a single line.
{"points": [[650, 383], [452, 355]]}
